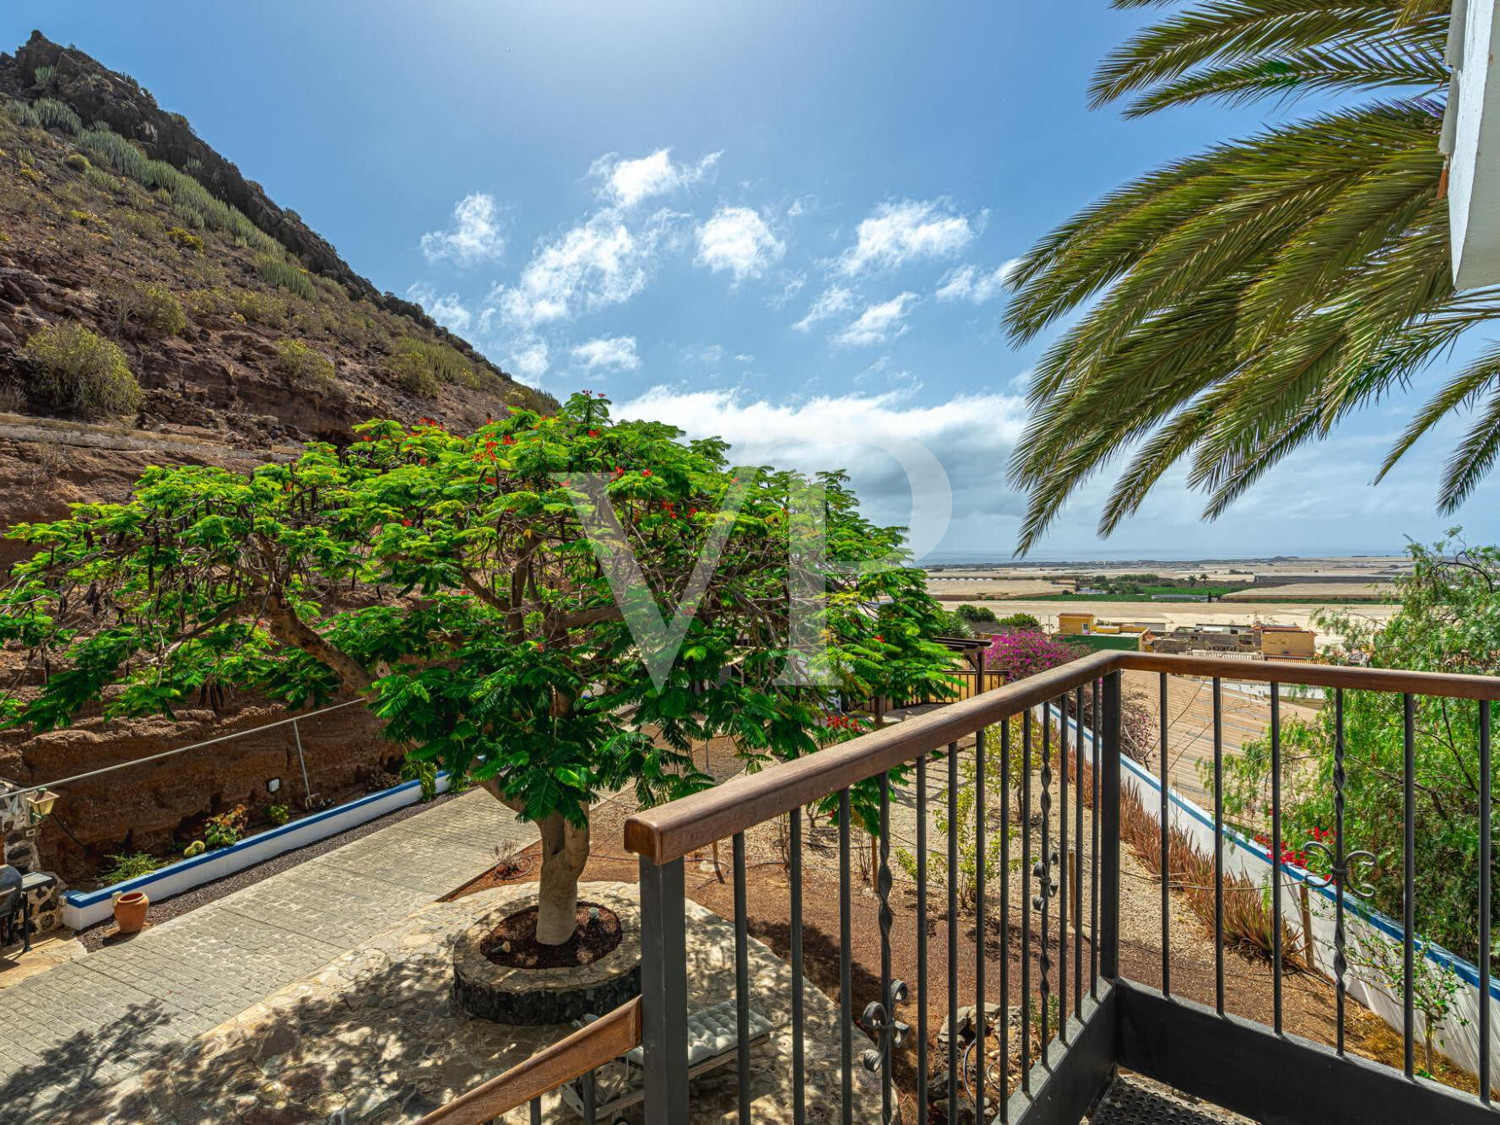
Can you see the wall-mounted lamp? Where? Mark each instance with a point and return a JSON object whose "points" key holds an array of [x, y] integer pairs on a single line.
{"points": [[40, 803]]}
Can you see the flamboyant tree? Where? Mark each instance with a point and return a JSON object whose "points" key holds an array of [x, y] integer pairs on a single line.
{"points": [[552, 606]]}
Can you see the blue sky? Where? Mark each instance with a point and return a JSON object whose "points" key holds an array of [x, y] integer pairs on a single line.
{"points": [[778, 222]]}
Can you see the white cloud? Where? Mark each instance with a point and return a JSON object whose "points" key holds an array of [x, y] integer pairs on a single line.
{"points": [[448, 310], [832, 301], [600, 262], [627, 182], [878, 323], [968, 283], [474, 237], [968, 435], [737, 239], [897, 233], [608, 353], [530, 357]]}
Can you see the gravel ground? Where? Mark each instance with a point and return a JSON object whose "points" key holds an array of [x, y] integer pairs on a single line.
{"points": [[93, 937]]}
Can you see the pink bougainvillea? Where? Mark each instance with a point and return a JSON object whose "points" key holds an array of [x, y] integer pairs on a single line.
{"points": [[1018, 653]]}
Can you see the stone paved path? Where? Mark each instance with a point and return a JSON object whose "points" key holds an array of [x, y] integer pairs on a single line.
{"points": [[97, 1018]]}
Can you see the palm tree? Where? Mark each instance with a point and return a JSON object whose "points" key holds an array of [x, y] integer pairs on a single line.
{"points": [[1245, 300]]}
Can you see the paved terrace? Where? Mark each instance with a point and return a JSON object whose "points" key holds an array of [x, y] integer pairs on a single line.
{"points": [[93, 1021]]}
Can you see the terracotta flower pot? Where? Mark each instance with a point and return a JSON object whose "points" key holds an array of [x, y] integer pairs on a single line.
{"points": [[130, 911]]}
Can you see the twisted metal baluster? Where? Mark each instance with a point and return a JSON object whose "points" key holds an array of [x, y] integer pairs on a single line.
{"points": [[1341, 867]]}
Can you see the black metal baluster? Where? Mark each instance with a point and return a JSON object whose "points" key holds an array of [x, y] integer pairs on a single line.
{"points": [[799, 1012], [1043, 873], [922, 939], [590, 1111], [742, 973], [1485, 857], [1025, 1061], [980, 1012], [1109, 832], [955, 1057], [883, 889], [1078, 856], [536, 1111], [1409, 877], [1340, 963], [1218, 846], [1276, 855], [1166, 851], [1062, 868], [664, 1030], [846, 969], [1094, 845], [1004, 1091]]}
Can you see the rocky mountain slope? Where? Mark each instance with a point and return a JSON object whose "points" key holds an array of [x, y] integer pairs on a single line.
{"points": [[244, 331]]}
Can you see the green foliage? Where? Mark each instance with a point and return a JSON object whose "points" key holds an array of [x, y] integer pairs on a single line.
{"points": [[448, 578], [43, 74], [976, 615], [226, 827], [197, 847], [953, 624], [420, 367], [1434, 987], [284, 275], [1449, 621], [131, 866], [75, 372], [154, 306], [100, 180], [306, 368], [426, 772], [278, 814], [186, 239], [1244, 300], [77, 161], [966, 875]]}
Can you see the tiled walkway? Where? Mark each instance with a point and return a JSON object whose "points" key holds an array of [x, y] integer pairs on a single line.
{"points": [[89, 1020]]}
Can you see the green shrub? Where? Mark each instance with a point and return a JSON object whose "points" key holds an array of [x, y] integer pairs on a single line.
{"points": [[76, 372], [45, 113], [305, 368], [226, 828], [282, 274], [414, 376], [260, 308], [101, 180], [43, 74], [77, 161], [132, 866], [424, 772], [278, 814], [186, 239], [154, 306]]}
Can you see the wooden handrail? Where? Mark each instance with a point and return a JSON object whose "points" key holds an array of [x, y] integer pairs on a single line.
{"points": [[588, 1048], [671, 831], [1450, 684]]}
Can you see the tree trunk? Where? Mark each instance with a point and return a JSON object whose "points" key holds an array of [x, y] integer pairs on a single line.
{"points": [[565, 851]]}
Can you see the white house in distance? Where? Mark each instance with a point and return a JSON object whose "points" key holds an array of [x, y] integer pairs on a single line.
{"points": [[1471, 141]]}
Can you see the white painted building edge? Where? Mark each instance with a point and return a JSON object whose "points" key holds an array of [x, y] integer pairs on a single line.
{"points": [[1471, 140], [83, 910]]}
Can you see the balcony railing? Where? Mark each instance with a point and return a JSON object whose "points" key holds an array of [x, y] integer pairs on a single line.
{"points": [[1056, 896]]}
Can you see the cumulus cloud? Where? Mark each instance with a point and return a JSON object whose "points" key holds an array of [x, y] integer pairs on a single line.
{"points": [[908, 231], [628, 182], [870, 435], [601, 261], [878, 323], [530, 357], [739, 240], [474, 236], [447, 309], [969, 283], [832, 301], [608, 353]]}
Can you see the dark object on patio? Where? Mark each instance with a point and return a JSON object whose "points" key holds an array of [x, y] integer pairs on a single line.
{"points": [[1137, 1101], [13, 912], [713, 1041]]}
